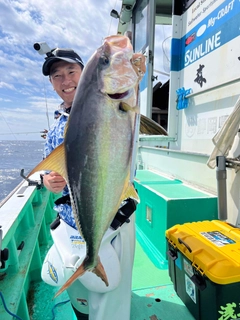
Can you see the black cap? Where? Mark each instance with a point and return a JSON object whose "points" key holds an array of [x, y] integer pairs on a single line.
{"points": [[60, 54]]}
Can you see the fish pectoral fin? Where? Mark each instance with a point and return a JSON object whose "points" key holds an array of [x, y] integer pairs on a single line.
{"points": [[78, 273], [54, 162], [130, 193], [100, 272], [149, 126]]}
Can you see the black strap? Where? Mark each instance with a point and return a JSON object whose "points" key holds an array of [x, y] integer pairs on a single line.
{"points": [[124, 213], [55, 223], [63, 200], [121, 216]]}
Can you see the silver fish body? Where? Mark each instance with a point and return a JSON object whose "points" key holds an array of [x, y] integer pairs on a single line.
{"points": [[99, 142], [96, 155]]}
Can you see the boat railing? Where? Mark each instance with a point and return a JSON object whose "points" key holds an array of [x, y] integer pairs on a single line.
{"points": [[25, 217], [11, 193]]}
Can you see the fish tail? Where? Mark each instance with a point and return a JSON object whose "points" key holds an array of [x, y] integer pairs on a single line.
{"points": [[100, 272], [78, 273]]}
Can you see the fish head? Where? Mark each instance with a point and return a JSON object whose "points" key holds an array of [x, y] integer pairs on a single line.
{"points": [[117, 77]]}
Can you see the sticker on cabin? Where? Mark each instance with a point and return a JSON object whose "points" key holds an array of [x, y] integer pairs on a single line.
{"points": [[217, 238], [200, 79], [188, 267], [190, 288]]}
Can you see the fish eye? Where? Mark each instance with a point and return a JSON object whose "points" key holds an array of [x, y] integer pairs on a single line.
{"points": [[104, 61]]}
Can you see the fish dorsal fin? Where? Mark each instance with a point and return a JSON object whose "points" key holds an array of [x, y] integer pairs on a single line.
{"points": [[130, 192], [149, 126], [54, 162]]}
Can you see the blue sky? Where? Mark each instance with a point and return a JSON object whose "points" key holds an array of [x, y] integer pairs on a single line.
{"points": [[27, 99], [26, 96]]}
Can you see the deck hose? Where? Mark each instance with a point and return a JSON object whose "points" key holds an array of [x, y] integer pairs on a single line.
{"points": [[17, 317]]}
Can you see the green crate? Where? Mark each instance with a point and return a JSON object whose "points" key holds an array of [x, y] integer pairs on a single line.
{"points": [[164, 203]]}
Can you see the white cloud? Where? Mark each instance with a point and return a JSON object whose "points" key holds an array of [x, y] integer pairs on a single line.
{"points": [[26, 95], [6, 85], [6, 100]]}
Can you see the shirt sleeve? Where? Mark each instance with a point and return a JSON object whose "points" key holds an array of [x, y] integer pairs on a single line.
{"points": [[48, 147], [55, 136]]}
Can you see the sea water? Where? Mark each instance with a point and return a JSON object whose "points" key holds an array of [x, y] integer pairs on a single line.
{"points": [[14, 156]]}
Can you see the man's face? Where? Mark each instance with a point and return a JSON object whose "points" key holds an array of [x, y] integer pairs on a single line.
{"points": [[64, 77]]}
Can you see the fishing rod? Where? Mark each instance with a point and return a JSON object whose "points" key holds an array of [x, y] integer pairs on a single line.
{"points": [[8, 126], [45, 95], [44, 132], [5, 133]]}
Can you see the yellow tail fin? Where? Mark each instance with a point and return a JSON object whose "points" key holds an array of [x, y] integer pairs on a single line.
{"points": [[98, 270]]}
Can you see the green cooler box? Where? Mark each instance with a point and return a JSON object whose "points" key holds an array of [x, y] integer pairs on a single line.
{"points": [[204, 266]]}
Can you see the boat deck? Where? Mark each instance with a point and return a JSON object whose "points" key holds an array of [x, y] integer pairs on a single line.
{"points": [[153, 296]]}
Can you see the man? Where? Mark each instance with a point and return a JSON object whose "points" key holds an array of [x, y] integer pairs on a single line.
{"points": [[88, 295]]}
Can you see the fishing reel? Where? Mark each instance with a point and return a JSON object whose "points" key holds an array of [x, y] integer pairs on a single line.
{"points": [[4, 254]]}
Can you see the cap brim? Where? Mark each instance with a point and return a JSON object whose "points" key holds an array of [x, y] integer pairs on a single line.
{"points": [[50, 61]]}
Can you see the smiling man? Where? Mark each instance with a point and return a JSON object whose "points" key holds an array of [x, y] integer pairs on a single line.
{"points": [[64, 68]]}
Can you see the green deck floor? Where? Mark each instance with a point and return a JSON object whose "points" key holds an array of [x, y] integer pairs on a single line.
{"points": [[153, 296]]}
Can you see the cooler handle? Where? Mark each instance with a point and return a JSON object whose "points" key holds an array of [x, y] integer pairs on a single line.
{"points": [[186, 245]]}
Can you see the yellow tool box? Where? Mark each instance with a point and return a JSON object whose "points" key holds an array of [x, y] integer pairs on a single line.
{"points": [[204, 265]]}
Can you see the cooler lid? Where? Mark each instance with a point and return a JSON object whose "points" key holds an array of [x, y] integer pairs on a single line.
{"points": [[213, 247]]}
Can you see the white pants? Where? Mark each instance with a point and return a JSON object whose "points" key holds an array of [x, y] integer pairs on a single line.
{"points": [[89, 294]]}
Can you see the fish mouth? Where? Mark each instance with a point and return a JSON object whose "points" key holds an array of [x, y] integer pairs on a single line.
{"points": [[119, 96]]}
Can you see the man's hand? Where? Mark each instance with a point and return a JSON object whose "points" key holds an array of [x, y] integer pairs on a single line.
{"points": [[54, 182]]}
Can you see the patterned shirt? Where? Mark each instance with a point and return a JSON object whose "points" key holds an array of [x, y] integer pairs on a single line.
{"points": [[54, 139]]}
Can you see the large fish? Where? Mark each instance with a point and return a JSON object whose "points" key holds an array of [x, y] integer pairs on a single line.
{"points": [[96, 155]]}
